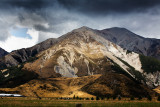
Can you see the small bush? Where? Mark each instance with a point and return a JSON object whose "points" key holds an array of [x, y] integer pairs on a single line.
{"points": [[139, 98], [87, 98], [97, 98], [102, 98], [114, 97], [80, 98], [132, 98], [107, 97], [77, 97], [158, 99], [149, 98], [119, 97], [92, 98], [74, 97]]}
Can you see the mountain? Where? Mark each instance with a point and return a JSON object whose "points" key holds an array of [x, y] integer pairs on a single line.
{"points": [[85, 51], [3, 52], [20, 56], [133, 42], [81, 52]]}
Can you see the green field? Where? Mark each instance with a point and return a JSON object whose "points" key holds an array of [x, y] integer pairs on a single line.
{"points": [[15, 102]]}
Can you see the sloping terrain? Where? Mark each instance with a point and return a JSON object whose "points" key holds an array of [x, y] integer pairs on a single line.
{"points": [[110, 85], [3, 52], [132, 42], [113, 84], [19, 56], [53, 87], [81, 52], [85, 52]]}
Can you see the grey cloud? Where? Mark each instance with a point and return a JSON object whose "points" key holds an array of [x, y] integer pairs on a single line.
{"points": [[40, 27], [100, 7], [56, 17], [109, 6], [27, 4]]}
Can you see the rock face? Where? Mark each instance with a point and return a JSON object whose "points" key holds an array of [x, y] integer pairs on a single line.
{"points": [[132, 42], [19, 56], [82, 52], [3, 52]]}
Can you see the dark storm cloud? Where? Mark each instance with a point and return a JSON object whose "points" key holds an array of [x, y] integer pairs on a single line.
{"points": [[108, 6], [85, 6], [27, 4]]}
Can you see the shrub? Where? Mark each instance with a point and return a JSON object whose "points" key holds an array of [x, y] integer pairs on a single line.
{"points": [[114, 97], [108, 97], [149, 98], [74, 97], [158, 99], [80, 98], [92, 98], [97, 98], [119, 97], [132, 98], [77, 97], [87, 98], [139, 98], [102, 98]]}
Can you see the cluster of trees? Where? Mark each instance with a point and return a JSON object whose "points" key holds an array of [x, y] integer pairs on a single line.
{"points": [[150, 64], [92, 98], [114, 97]]}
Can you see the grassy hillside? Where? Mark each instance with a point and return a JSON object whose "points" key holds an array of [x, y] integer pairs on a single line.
{"points": [[113, 84]]}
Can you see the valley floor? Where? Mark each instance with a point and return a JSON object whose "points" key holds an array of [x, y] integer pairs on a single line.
{"points": [[28, 101]]}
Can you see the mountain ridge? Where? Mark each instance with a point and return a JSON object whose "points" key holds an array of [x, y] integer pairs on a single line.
{"points": [[133, 42], [3, 52], [20, 56]]}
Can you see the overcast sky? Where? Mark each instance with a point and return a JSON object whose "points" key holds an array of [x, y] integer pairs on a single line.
{"points": [[23, 23]]}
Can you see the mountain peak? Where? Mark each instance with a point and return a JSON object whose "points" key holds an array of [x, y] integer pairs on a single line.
{"points": [[121, 33], [83, 28], [118, 30]]}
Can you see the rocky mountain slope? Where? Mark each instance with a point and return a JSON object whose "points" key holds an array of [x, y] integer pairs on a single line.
{"points": [[84, 52], [19, 56], [132, 42], [3, 52]]}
